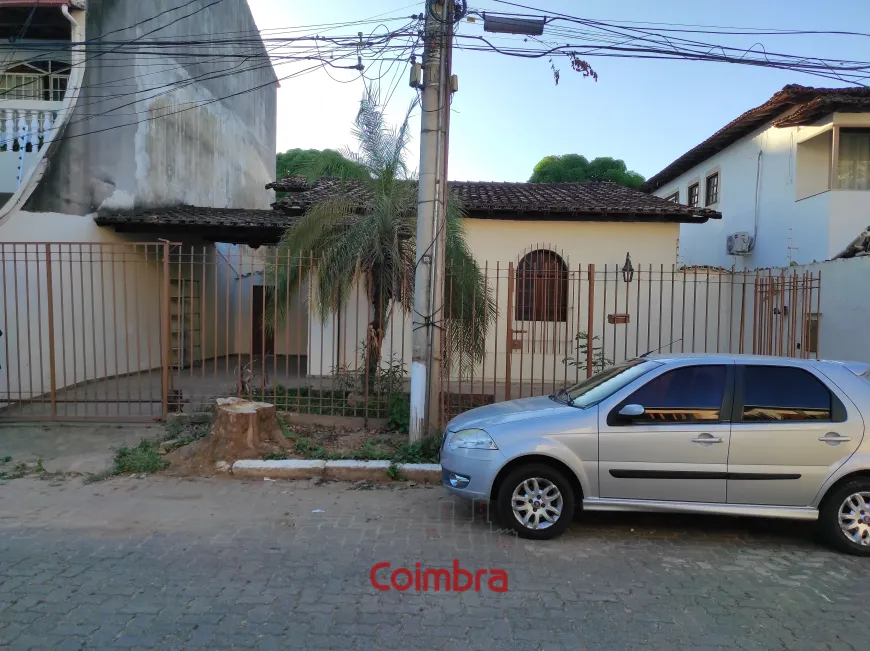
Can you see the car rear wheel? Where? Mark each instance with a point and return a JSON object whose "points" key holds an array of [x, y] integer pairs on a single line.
{"points": [[845, 518], [536, 501]]}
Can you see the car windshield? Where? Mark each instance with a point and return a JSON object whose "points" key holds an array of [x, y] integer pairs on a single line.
{"points": [[602, 385]]}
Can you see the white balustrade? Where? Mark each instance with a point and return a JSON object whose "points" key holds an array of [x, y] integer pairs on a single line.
{"points": [[26, 127], [23, 127]]}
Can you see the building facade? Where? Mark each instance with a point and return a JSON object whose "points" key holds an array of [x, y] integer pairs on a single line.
{"points": [[791, 179]]}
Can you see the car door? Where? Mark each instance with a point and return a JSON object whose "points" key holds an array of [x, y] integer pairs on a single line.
{"points": [[677, 449], [792, 427]]}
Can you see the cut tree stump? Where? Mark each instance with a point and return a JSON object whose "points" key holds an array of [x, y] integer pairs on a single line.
{"points": [[243, 429]]}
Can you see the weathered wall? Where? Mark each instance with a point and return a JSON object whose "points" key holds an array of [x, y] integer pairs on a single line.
{"points": [[142, 146]]}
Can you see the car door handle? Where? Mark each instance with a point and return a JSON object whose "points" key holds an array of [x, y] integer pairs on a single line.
{"points": [[707, 439], [833, 437]]}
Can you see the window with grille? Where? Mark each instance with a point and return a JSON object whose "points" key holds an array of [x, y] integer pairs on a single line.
{"points": [[542, 287], [694, 191], [39, 80], [712, 194]]}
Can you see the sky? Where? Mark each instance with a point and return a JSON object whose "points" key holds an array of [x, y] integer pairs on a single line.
{"points": [[509, 113]]}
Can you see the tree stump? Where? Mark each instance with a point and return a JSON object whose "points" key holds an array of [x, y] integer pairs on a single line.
{"points": [[243, 429]]}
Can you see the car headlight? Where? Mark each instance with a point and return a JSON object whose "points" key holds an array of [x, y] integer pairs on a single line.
{"points": [[475, 439]]}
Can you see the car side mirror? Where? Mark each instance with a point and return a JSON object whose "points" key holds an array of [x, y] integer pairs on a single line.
{"points": [[631, 411]]}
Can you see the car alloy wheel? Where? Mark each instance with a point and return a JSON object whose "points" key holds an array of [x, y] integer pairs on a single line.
{"points": [[854, 515], [537, 503], [844, 517], [536, 500]]}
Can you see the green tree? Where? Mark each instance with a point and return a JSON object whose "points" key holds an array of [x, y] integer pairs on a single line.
{"points": [[341, 245], [302, 162], [573, 168]]}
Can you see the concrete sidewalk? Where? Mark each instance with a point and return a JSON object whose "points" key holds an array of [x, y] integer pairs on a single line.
{"points": [[86, 447]]}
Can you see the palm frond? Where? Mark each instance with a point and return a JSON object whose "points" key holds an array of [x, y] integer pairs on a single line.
{"points": [[339, 248], [469, 303]]}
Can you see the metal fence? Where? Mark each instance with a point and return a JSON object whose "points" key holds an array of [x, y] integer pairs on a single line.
{"points": [[134, 331]]}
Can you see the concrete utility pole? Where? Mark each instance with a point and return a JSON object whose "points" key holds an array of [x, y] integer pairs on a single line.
{"points": [[430, 215]]}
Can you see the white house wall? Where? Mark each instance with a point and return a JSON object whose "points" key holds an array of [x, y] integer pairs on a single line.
{"points": [[789, 229], [497, 243]]}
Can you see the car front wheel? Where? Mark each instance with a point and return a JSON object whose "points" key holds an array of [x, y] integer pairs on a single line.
{"points": [[536, 501], [845, 518]]}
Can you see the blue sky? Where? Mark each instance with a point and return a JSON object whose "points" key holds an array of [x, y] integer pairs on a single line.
{"points": [[509, 114]]}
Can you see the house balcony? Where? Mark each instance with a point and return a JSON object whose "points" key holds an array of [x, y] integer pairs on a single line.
{"points": [[26, 127]]}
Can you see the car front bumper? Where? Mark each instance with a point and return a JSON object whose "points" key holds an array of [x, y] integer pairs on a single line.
{"points": [[479, 467]]}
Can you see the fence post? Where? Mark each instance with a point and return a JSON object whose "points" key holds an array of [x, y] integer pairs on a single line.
{"points": [[509, 347], [590, 322], [164, 328], [49, 295]]}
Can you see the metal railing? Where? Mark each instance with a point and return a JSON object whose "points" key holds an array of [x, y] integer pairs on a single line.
{"points": [[134, 331]]}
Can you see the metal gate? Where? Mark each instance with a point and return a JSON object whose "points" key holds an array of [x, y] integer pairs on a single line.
{"points": [[85, 331]]}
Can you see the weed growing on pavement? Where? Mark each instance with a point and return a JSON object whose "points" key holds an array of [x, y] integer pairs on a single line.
{"points": [[100, 476], [174, 428], [39, 467], [18, 471], [144, 458], [394, 473]]}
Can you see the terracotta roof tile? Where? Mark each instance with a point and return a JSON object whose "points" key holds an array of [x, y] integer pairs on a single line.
{"points": [[591, 201], [238, 225]]}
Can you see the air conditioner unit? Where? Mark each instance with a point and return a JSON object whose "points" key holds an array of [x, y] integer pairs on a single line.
{"points": [[739, 244]]}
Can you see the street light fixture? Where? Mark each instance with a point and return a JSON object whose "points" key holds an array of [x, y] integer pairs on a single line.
{"points": [[511, 25]]}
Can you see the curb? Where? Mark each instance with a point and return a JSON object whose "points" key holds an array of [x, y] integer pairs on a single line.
{"points": [[335, 470]]}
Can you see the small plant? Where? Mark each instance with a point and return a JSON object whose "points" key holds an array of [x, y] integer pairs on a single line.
{"points": [[100, 476], [144, 458], [399, 413], [174, 428], [39, 466], [276, 456], [599, 360], [426, 450], [395, 473], [7, 459]]}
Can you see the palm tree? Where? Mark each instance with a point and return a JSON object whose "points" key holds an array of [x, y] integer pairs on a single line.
{"points": [[341, 244]]}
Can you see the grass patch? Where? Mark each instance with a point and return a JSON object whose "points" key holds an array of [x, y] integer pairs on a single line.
{"points": [[276, 456], [376, 448], [143, 458]]}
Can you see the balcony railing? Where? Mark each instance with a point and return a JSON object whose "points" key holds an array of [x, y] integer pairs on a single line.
{"points": [[26, 126]]}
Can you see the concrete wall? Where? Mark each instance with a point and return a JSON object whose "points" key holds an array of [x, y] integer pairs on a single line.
{"points": [[843, 314], [156, 152], [798, 219], [141, 135]]}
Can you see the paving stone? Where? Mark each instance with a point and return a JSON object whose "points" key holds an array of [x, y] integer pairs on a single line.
{"points": [[166, 563]]}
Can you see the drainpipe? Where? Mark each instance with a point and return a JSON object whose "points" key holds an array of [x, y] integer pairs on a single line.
{"points": [[64, 9]]}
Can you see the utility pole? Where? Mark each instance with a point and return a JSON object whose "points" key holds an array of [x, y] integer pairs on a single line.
{"points": [[430, 215]]}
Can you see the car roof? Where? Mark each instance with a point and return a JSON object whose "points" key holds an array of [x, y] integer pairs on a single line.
{"points": [[858, 368]]}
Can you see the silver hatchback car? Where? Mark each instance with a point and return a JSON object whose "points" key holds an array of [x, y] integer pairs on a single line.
{"points": [[719, 434]]}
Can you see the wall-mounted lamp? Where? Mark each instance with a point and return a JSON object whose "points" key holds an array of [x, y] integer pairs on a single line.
{"points": [[627, 269]]}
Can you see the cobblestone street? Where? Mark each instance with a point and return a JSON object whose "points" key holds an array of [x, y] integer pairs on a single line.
{"points": [[162, 563]]}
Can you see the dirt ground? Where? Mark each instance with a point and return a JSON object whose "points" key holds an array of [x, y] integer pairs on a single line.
{"points": [[308, 442]]}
